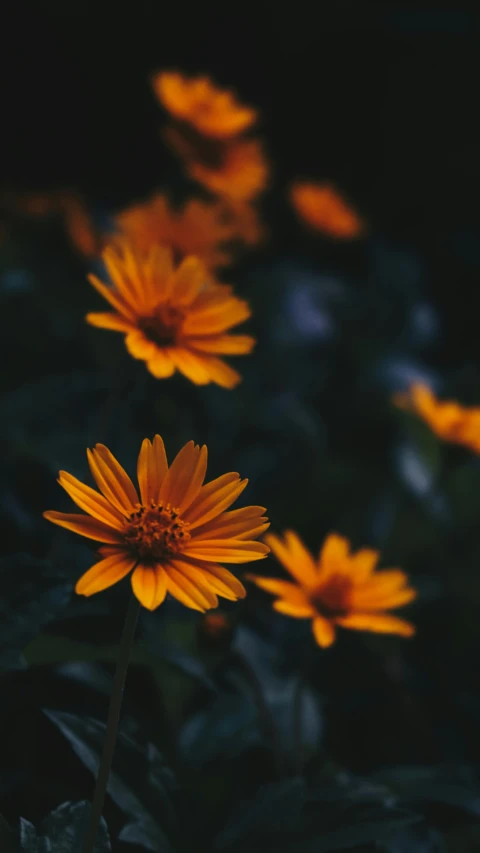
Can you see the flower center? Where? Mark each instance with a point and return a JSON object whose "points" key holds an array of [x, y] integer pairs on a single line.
{"points": [[332, 598], [162, 327], [155, 532]]}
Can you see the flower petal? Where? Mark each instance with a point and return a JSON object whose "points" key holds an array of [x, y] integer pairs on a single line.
{"points": [[116, 477], [226, 551], [86, 526], [324, 631], [149, 584], [188, 280], [190, 364], [187, 592], [105, 573], [335, 549], [387, 601], [178, 479], [152, 468], [223, 344], [213, 498], [114, 298], [91, 501], [140, 347], [224, 312], [290, 592], [208, 583], [381, 623], [107, 320], [196, 480], [219, 371], [222, 581], [293, 555], [235, 524], [161, 365]]}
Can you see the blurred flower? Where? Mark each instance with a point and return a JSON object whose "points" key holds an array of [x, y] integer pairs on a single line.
{"points": [[322, 208], [173, 536], [72, 209], [197, 101], [240, 173], [446, 418], [174, 319], [337, 589], [199, 228]]}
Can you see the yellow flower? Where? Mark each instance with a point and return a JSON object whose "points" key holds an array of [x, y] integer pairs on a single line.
{"points": [[198, 102], [173, 319], [337, 589], [173, 536], [446, 418], [239, 175], [199, 228], [322, 208]]}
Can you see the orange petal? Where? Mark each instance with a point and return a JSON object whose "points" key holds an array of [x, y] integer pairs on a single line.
{"points": [[222, 581], [148, 482], [116, 477], [91, 528], [149, 584], [106, 320], [381, 623], [140, 347], [324, 632], [91, 501], [213, 498], [179, 476], [232, 524], [226, 551], [224, 313], [103, 484], [115, 299], [293, 555], [190, 364], [335, 549], [363, 600], [219, 371], [363, 563], [161, 365], [188, 280], [223, 344], [209, 584], [196, 480], [105, 573], [187, 592], [296, 611], [290, 592]]}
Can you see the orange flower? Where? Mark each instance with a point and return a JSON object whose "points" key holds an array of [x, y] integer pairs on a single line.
{"points": [[174, 319], [173, 535], [337, 589], [447, 418], [240, 174], [200, 229], [198, 102], [322, 208]]}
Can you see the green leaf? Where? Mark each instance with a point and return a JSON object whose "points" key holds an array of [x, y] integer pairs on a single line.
{"points": [[140, 783], [63, 831], [455, 786], [31, 597], [360, 826], [277, 806]]}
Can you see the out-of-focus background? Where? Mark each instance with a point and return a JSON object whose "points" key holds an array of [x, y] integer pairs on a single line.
{"points": [[380, 100]]}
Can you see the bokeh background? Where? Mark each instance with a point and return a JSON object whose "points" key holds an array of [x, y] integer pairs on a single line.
{"points": [[379, 99]]}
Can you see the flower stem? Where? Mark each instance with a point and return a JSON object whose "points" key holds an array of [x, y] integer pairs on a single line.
{"points": [[124, 652]]}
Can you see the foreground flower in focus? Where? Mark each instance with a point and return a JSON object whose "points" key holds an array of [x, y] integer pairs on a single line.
{"points": [[199, 228], [198, 102], [446, 418], [321, 207], [337, 589], [172, 535], [173, 319]]}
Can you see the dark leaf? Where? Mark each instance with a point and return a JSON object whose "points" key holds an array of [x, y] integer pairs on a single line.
{"points": [[6, 837], [277, 806], [358, 826], [63, 831], [32, 596], [140, 783], [457, 787]]}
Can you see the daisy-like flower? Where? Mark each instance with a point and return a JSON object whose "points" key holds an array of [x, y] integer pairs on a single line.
{"points": [[172, 535], [173, 318], [198, 102], [199, 228], [240, 173], [322, 208], [446, 418], [339, 589]]}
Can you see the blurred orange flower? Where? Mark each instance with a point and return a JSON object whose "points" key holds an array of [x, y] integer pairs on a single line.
{"points": [[198, 102], [173, 318], [199, 228], [446, 418], [323, 209], [70, 207], [172, 535], [240, 174], [339, 589]]}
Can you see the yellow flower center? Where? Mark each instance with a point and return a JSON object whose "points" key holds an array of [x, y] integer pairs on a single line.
{"points": [[331, 600], [156, 532], [163, 326]]}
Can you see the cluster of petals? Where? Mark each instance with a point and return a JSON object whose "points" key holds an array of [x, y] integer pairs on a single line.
{"points": [[337, 589], [173, 317], [172, 534], [322, 208], [447, 418]]}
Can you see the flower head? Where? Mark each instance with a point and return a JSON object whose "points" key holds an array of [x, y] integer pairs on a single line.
{"points": [[199, 228], [173, 318], [337, 589], [172, 534], [240, 173], [322, 208], [198, 102], [446, 418]]}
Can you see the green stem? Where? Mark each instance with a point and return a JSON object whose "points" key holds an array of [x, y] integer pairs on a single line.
{"points": [[124, 653]]}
